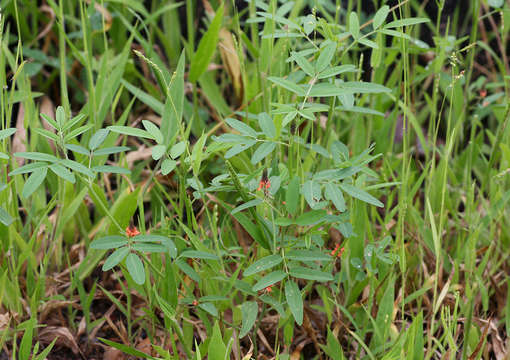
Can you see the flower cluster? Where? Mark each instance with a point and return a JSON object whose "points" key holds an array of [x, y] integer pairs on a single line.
{"points": [[337, 251], [132, 231]]}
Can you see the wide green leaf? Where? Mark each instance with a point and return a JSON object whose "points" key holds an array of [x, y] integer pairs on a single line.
{"points": [[63, 173], [263, 264], [241, 127], [98, 138], [262, 151], [361, 195], [325, 57], [269, 279], [267, 125], [217, 349], [167, 166], [116, 257], [249, 311], [135, 268], [302, 272], [153, 130], [294, 300], [34, 181], [354, 25], [311, 217], [380, 16], [109, 242], [206, 47], [334, 194]]}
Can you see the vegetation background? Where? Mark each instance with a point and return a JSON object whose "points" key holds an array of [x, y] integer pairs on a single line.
{"points": [[254, 179]]}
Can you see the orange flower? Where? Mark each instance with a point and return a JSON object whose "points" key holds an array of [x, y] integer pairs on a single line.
{"points": [[194, 303], [269, 289], [337, 251], [264, 184], [483, 93], [132, 231]]}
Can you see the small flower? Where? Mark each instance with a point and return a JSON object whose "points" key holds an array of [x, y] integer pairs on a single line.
{"points": [[194, 303], [337, 251], [264, 184], [483, 93], [132, 231], [269, 289]]}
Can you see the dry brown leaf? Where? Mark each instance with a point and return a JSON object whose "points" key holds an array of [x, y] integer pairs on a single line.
{"points": [[231, 62], [64, 337], [20, 137], [141, 154], [5, 320], [50, 306], [145, 346], [113, 354]]}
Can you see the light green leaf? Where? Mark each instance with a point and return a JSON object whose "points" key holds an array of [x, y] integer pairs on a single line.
{"points": [[294, 300], [380, 16], [302, 272], [287, 84], [149, 247], [303, 63], [337, 70], [98, 138], [47, 134], [116, 257], [28, 168], [5, 218], [241, 127], [292, 196], [135, 268], [361, 195], [206, 47], [195, 254], [178, 149], [246, 205], [267, 125], [334, 194], [173, 107], [111, 150], [36, 156], [238, 148], [325, 57], [62, 172], [249, 311], [77, 149], [76, 166], [153, 130], [217, 349], [307, 255], [262, 151], [167, 166], [209, 307], [265, 263], [269, 279], [109, 242], [311, 217], [34, 181], [158, 151], [78, 131], [354, 25], [111, 169], [6, 133], [405, 22], [127, 130]]}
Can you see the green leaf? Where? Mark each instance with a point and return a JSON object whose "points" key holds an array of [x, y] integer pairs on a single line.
{"points": [[50, 121], [217, 349], [60, 116], [249, 311], [241, 127], [496, 3], [62, 172], [116, 257], [360, 87], [354, 25], [77, 132], [405, 22], [34, 181], [6, 133], [206, 47], [4, 156], [267, 125], [109, 242], [98, 138], [269, 279], [47, 134], [361, 195], [173, 107], [246, 205], [380, 16], [195, 254], [149, 247], [196, 154], [158, 151], [307, 255], [263, 264], [312, 192], [135, 268], [337, 70], [75, 120], [153, 130], [238, 148], [111, 169], [76, 166], [311, 217], [303, 63], [154, 104], [325, 57], [78, 149], [111, 150], [28, 168], [292, 196], [287, 84], [167, 166], [36, 156], [262, 151], [334, 194], [294, 300], [368, 43], [178, 149], [127, 349], [127, 130], [302, 272], [209, 307], [5, 218]]}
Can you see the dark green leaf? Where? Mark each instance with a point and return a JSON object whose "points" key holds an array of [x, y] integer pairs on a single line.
{"points": [[292, 196], [111, 150], [311, 217], [334, 194], [361, 195], [267, 125], [116, 257], [263, 264], [36, 156], [294, 300], [269, 279], [262, 151], [302, 272], [98, 138], [63, 173], [109, 242], [34, 181], [241, 127], [249, 311], [135, 268]]}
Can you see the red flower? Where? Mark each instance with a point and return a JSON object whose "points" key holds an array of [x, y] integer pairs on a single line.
{"points": [[264, 184], [337, 251], [483, 93], [194, 303], [269, 289], [132, 231]]}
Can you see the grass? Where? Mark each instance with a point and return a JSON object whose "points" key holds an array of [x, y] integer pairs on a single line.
{"points": [[261, 180]]}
